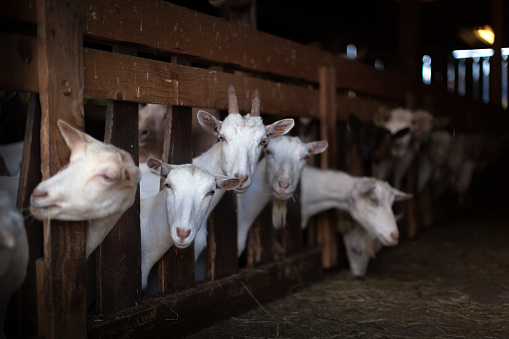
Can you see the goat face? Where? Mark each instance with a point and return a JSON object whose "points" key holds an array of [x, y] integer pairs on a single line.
{"points": [[360, 247], [242, 139], [99, 181], [286, 157], [371, 206], [189, 191]]}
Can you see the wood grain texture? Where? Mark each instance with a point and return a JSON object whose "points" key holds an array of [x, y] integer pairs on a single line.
{"points": [[119, 255], [197, 307], [61, 87], [176, 268]]}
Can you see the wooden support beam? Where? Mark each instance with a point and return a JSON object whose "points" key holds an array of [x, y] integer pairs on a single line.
{"points": [[326, 230], [118, 284], [176, 267], [61, 94]]}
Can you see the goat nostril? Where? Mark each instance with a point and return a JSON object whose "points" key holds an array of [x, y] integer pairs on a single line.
{"points": [[394, 235], [284, 184], [243, 178], [38, 193], [144, 132], [183, 234]]}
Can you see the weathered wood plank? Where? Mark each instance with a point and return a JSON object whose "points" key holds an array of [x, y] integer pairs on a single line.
{"points": [[18, 62], [123, 77], [260, 239], [119, 255], [61, 84], [222, 239], [177, 315], [176, 267], [326, 228]]}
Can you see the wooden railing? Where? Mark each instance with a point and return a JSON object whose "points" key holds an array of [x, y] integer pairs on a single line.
{"points": [[155, 52]]}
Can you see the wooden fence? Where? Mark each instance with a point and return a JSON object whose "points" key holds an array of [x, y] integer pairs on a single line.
{"points": [[153, 51]]}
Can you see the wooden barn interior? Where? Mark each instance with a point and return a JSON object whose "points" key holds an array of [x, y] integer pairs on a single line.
{"points": [[336, 71]]}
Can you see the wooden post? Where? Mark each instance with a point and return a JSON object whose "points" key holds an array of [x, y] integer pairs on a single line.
{"points": [[119, 255], [176, 267], [61, 95], [326, 230]]}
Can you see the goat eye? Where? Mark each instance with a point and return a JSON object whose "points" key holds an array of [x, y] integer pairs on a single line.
{"points": [[167, 185], [263, 142], [306, 157], [211, 192], [221, 138], [106, 177], [373, 201]]}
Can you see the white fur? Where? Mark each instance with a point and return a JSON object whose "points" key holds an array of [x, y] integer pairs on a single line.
{"points": [[174, 215], [368, 200], [277, 175], [99, 184], [151, 118]]}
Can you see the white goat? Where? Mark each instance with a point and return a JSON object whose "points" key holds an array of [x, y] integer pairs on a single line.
{"points": [[174, 215], [11, 155], [13, 254], [237, 154], [99, 184], [278, 175], [433, 158], [369, 202], [241, 140]]}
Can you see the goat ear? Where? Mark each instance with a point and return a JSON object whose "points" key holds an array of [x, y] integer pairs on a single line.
{"points": [[365, 185], [209, 122], [226, 183], [131, 176], [317, 147], [399, 195], [73, 136], [280, 127], [156, 166]]}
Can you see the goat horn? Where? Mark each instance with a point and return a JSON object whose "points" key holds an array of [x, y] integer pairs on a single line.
{"points": [[255, 106], [233, 106]]}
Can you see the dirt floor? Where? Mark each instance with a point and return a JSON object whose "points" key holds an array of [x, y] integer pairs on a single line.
{"points": [[452, 281]]}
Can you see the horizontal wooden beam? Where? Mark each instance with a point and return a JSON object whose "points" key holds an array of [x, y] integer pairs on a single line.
{"points": [[177, 315]]}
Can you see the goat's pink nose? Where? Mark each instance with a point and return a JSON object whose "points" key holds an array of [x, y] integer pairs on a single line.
{"points": [[284, 183], [39, 193], [242, 177], [182, 234], [395, 236]]}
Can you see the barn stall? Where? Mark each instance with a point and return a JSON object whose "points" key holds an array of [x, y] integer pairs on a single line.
{"points": [[74, 56]]}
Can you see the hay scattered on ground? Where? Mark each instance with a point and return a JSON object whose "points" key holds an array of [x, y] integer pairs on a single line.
{"points": [[450, 282]]}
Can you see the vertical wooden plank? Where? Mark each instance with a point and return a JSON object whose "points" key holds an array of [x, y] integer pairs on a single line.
{"points": [[222, 239], [176, 267], [119, 255], [61, 94], [25, 325], [292, 234], [259, 241], [326, 230]]}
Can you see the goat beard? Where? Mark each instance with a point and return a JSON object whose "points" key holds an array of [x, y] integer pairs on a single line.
{"points": [[279, 213]]}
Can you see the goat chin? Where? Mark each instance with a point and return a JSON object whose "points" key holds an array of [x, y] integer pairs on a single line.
{"points": [[279, 213]]}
